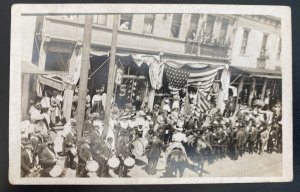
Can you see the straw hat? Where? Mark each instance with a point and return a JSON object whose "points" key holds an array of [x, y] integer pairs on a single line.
{"points": [[141, 113], [160, 119], [179, 129], [166, 100]]}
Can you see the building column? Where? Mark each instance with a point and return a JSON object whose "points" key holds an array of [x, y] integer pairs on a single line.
{"points": [[25, 94], [252, 91], [225, 82], [67, 103], [263, 92], [42, 55], [239, 90], [151, 99]]}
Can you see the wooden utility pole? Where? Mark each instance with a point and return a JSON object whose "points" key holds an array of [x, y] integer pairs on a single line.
{"points": [[85, 65], [111, 74]]}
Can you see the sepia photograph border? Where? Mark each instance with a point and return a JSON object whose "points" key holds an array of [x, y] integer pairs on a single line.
{"points": [[19, 10]]}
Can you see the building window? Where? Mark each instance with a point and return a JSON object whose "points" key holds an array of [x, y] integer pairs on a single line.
{"points": [[191, 36], [245, 41], [176, 24], [263, 49], [99, 19], [279, 49], [57, 61], [223, 31], [148, 23], [126, 21], [209, 28]]}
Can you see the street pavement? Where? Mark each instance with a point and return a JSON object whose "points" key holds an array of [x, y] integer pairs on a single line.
{"points": [[249, 165]]}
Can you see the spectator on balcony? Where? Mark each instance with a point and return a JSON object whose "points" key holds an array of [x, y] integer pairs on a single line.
{"points": [[124, 26]]}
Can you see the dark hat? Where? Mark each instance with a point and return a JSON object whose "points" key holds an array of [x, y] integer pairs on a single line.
{"points": [[50, 142], [26, 141]]}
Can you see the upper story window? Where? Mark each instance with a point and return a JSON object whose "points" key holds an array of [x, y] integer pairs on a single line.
{"points": [[193, 27], [223, 31], [148, 23], [245, 41], [263, 49], [279, 49], [126, 21], [100, 19], [209, 28], [176, 24], [58, 56]]}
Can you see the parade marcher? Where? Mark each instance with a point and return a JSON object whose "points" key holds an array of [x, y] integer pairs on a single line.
{"points": [[263, 138], [48, 159], [70, 146], [55, 108], [272, 139], [27, 158], [154, 150], [84, 155], [252, 139], [122, 151], [240, 139]]}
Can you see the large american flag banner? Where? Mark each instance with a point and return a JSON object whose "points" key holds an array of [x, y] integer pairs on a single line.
{"points": [[200, 75]]}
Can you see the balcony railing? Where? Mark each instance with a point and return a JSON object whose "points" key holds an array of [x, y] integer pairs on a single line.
{"points": [[206, 49]]}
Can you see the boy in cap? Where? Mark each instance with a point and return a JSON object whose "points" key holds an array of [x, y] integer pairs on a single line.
{"points": [[27, 159]]}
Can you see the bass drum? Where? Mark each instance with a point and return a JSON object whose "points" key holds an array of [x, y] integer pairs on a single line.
{"points": [[139, 147]]}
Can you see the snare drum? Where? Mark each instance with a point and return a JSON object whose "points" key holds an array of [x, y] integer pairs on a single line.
{"points": [[92, 166], [129, 162], [113, 162], [56, 171]]}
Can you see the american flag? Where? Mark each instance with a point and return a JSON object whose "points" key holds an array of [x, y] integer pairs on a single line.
{"points": [[177, 78], [202, 77]]}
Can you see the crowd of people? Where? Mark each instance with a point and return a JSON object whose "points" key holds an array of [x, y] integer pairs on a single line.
{"points": [[255, 129]]}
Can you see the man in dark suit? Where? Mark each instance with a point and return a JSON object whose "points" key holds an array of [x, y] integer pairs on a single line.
{"points": [[84, 155], [70, 142], [123, 151], [27, 159], [47, 159], [155, 147]]}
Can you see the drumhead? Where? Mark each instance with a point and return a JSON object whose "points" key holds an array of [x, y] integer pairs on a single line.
{"points": [[56, 171], [92, 166], [113, 162], [129, 161]]}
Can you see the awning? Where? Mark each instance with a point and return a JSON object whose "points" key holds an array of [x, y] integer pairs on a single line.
{"points": [[54, 82], [27, 67], [254, 72]]}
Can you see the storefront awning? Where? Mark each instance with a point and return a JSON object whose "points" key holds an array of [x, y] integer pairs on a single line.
{"points": [[54, 82], [254, 72]]}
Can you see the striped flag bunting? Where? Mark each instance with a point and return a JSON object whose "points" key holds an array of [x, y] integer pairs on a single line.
{"points": [[201, 76]]}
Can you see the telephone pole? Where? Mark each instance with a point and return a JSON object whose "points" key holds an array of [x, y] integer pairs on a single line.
{"points": [[111, 74], [85, 65]]}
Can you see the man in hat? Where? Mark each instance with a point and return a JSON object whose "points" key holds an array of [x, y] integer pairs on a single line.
{"points": [[240, 139], [84, 155], [263, 137], [48, 159], [154, 149], [70, 142], [272, 138], [88, 126], [27, 159], [252, 138], [123, 151], [159, 123], [165, 106]]}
